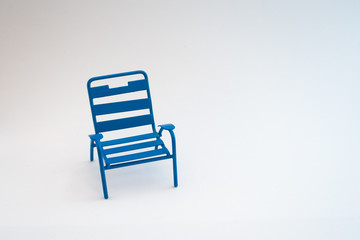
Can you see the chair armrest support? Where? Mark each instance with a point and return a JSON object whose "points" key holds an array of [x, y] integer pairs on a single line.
{"points": [[169, 127], [95, 138]]}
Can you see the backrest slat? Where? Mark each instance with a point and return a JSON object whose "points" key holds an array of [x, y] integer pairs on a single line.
{"points": [[125, 106], [124, 123], [104, 91]]}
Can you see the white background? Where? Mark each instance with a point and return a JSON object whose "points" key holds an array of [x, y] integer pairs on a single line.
{"points": [[264, 96]]}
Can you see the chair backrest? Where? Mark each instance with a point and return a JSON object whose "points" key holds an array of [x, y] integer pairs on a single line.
{"points": [[109, 112]]}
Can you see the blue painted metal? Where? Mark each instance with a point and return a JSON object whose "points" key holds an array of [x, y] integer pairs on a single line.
{"points": [[92, 145], [170, 127], [135, 146], [130, 139], [121, 106], [136, 162], [148, 147], [96, 138], [123, 123]]}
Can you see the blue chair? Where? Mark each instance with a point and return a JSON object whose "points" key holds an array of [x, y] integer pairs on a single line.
{"points": [[111, 115]]}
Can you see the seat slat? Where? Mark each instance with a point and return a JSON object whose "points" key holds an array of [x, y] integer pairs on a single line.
{"points": [[133, 147], [125, 164], [135, 156], [130, 139], [125, 106], [104, 91], [123, 123]]}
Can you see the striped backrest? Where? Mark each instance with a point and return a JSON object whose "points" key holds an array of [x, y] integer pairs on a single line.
{"points": [[110, 111]]}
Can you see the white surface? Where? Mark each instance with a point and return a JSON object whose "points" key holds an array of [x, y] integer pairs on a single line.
{"points": [[264, 96]]}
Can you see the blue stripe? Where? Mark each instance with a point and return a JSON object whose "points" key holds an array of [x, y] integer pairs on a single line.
{"points": [[134, 156], [133, 147], [104, 91], [130, 139], [130, 122], [125, 106]]}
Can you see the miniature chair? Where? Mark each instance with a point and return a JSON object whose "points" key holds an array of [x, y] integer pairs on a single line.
{"points": [[111, 114]]}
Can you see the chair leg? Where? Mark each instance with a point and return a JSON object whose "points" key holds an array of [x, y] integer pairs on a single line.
{"points": [[92, 145], [175, 172], [103, 178], [173, 143]]}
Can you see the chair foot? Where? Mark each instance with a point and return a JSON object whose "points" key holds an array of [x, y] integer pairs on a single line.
{"points": [[106, 196], [103, 181]]}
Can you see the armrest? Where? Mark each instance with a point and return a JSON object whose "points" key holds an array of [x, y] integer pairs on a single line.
{"points": [[167, 126], [96, 136]]}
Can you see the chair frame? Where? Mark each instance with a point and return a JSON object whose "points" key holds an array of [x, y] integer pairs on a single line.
{"points": [[95, 138]]}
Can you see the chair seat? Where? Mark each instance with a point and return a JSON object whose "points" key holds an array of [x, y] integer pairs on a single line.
{"points": [[130, 139], [153, 141], [138, 156]]}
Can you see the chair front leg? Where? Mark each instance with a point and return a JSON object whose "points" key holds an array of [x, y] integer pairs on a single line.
{"points": [[92, 146], [169, 128], [173, 143], [102, 173], [96, 138]]}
